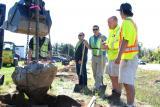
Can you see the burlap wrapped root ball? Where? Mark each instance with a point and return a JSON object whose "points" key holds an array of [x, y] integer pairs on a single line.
{"points": [[34, 76]]}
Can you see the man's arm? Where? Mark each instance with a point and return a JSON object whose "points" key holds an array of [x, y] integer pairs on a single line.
{"points": [[86, 44], [121, 50], [49, 50], [30, 50], [29, 55], [49, 54]]}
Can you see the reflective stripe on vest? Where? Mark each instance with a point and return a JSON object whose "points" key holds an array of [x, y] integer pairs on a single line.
{"points": [[43, 48], [130, 48]]}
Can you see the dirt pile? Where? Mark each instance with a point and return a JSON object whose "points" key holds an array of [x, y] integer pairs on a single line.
{"points": [[18, 100]]}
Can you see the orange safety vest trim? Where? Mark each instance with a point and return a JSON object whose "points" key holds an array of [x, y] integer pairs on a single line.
{"points": [[130, 48]]}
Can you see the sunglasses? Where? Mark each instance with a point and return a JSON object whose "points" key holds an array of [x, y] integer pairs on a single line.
{"points": [[95, 29], [80, 35]]}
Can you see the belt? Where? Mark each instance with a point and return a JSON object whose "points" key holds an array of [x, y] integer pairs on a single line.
{"points": [[96, 55]]}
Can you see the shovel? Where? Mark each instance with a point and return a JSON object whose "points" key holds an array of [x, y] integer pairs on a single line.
{"points": [[1, 79]]}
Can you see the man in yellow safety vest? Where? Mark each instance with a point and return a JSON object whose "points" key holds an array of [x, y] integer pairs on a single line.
{"points": [[128, 50], [45, 49], [112, 45]]}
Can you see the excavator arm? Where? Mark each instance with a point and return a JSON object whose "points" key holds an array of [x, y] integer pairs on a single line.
{"points": [[2, 18]]}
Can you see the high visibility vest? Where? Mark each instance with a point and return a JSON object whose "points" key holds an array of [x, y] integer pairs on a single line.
{"points": [[96, 45], [43, 49], [113, 43], [132, 47], [77, 45]]}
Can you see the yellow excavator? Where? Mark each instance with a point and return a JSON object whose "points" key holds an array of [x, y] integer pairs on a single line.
{"points": [[8, 54]]}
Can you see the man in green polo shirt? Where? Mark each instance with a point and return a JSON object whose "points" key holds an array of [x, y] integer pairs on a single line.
{"points": [[98, 56]]}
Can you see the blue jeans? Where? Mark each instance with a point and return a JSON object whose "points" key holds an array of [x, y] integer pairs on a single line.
{"points": [[83, 77]]}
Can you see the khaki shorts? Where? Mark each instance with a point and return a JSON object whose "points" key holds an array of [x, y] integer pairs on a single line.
{"points": [[112, 69], [127, 71]]}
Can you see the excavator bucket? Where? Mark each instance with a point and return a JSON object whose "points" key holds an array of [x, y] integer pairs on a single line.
{"points": [[22, 20]]}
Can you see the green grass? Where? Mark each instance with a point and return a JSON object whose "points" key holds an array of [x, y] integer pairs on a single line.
{"points": [[147, 89], [147, 86], [65, 87], [7, 71]]}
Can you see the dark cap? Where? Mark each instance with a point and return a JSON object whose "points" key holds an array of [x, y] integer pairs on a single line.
{"points": [[126, 9], [81, 34]]}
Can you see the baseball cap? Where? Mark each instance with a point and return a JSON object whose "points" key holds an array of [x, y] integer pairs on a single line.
{"points": [[126, 8]]}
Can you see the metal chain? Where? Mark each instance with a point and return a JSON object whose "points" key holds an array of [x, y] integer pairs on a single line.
{"points": [[28, 31], [37, 31], [27, 47]]}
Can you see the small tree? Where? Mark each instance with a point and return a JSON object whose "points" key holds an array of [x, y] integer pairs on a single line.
{"points": [[65, 49]]}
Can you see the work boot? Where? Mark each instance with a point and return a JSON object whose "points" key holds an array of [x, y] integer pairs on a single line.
{"points": [[95, 91], [114, 96], [102, 91], [78, 88], [86, 90]]}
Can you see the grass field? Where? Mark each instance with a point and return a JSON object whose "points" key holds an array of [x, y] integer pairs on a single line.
{"points": [[147, 86], [8, 83]]}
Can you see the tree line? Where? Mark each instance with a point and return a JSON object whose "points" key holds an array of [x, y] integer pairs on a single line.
{"points": [[149, 55], [62, 48]]}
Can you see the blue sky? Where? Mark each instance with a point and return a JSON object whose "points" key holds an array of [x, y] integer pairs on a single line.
{"points": [[69, 17]]}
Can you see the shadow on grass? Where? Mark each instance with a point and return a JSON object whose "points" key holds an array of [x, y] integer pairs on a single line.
{"points": [[82, 89], [116, 102]]}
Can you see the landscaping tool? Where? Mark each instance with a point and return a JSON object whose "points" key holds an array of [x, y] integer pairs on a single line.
{"points": [[92, 102], [1, 79], [78, 87]]}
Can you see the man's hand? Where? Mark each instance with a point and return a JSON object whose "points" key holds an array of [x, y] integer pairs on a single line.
{"points": [[118, 59], [86, 44], [28, 61], [29, 56], [121, 50], [104, 46], [79, 62]]}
